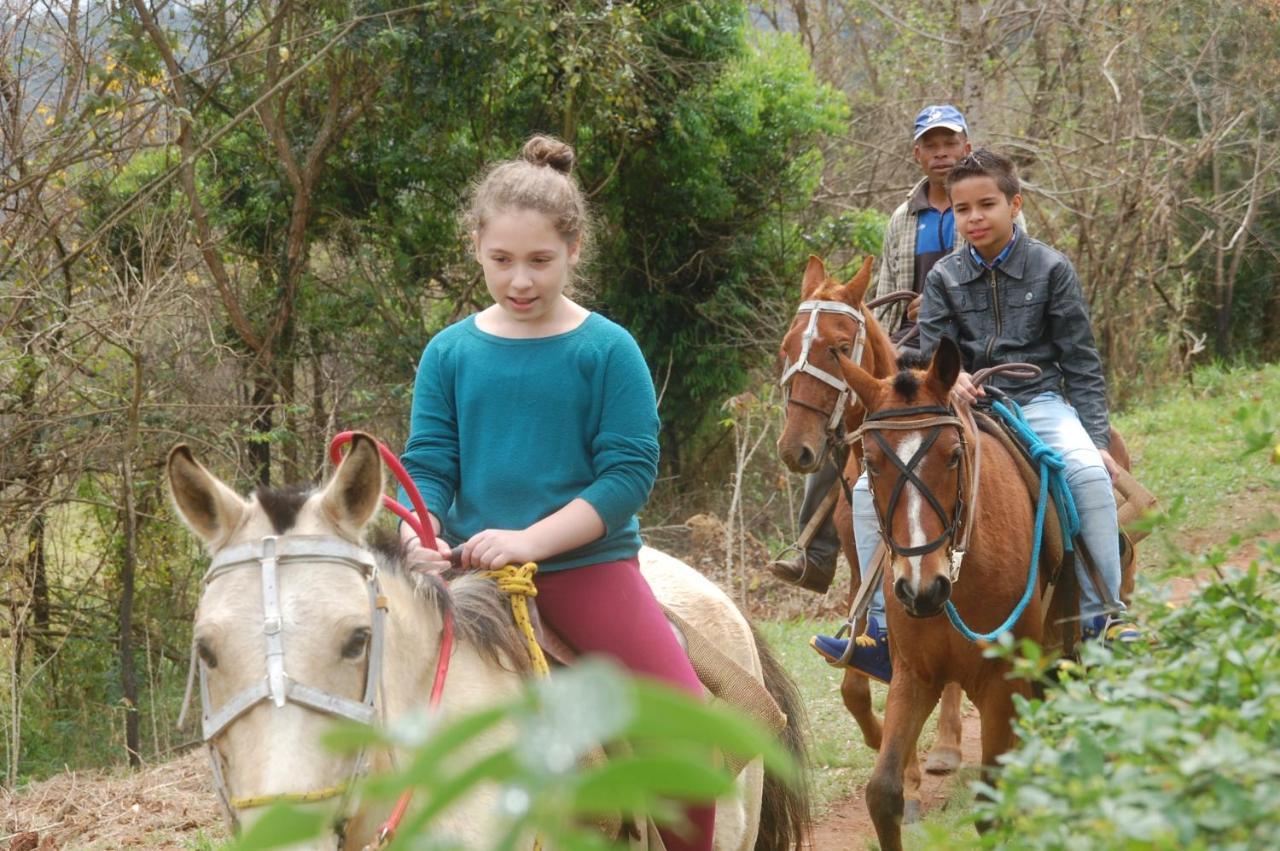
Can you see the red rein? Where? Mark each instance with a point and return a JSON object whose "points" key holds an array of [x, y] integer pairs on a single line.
{"points": [[418, 521]]}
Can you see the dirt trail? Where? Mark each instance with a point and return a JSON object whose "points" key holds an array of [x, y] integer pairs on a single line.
{"points": [[847, 825]]}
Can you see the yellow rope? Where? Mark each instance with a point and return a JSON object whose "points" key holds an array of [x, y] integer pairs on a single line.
{"points": [[517, 583], [289, 797]]}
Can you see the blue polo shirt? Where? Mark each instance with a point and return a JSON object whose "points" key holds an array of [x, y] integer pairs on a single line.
{"points": [[935, 238]]}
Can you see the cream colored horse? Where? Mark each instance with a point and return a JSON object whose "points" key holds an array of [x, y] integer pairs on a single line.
{"points": [[300, 623]]}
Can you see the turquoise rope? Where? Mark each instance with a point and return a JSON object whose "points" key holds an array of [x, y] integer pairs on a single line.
{"points": [[1052, 467]]}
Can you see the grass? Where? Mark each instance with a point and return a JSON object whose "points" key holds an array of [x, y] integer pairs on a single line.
{"points": [[1189, 446], [1190, 449]]}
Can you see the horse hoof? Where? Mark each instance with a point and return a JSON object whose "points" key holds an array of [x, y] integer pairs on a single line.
{"points": [[942, 761], [910, 811]]}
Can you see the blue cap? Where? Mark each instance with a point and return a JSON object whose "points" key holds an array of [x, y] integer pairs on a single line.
{"points": [[942, 115]]}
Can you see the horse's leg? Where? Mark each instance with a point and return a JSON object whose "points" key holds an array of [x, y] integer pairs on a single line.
{"points": [[996, 713], [855, 691], [944, 758], [910, 702]]}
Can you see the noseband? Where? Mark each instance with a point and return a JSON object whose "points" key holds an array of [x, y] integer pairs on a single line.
{"points": [[277, 686], [835, 417], [956, 529]]}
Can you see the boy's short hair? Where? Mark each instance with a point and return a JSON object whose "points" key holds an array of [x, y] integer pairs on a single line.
{"points": [[985, 162]]}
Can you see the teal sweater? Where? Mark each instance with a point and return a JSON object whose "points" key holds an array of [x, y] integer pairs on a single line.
{"points": [[505, 432]]}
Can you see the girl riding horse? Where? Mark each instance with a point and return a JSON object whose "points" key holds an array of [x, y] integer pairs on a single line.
{"points": [[534, 431]]}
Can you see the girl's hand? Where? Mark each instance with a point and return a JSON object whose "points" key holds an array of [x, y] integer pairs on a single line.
{"points": [[495, 548], [417, 556], [965, 390]]}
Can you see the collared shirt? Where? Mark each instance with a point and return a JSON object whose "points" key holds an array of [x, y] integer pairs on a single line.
{"points": [[1004, 252]]}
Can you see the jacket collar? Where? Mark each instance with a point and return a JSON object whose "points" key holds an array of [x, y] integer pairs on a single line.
{"points": [[918, 198], [1015, 265]]}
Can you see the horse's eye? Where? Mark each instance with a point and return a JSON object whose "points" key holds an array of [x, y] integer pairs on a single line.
{"points": [[356, 643], [872, 469], [207, 655], [956, 455], [846, 349]]}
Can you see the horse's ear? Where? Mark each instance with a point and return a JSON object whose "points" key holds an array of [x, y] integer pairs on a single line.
{"points": [[861, 382], [815, 275], [944, 368], [208, 507], [857, 286], [353, 495]]}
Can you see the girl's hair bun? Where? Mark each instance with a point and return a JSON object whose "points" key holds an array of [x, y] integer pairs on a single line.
{"points": [[549, 151]]}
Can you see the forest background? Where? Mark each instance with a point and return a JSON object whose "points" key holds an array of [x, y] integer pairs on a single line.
{"points": [[234, 224]]}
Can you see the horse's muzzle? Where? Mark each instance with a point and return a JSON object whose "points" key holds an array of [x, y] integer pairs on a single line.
{"points": [[926, 604]]}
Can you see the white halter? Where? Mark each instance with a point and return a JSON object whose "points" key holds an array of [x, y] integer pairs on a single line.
{"points": [[278, 687], [790, 370]]}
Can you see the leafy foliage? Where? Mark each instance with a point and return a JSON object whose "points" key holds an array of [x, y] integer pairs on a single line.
{"points": [[549, 783]]}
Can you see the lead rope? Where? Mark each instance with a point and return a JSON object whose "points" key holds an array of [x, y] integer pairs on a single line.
{"points": [[1052, 473]]}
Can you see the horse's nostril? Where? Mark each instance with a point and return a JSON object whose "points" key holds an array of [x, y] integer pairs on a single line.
{"points": [[902, 590], [940, 591], [805, 458]]}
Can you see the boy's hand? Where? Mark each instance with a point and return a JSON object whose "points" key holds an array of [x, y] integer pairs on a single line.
{"points": [[495, 548], [1113, 469], [965, 390], [913, 309]]}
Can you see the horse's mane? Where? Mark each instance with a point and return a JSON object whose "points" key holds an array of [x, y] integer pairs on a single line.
{"points": [[481, 613]]}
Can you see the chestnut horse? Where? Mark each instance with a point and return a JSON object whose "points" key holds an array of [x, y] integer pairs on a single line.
{"points": [[820, 410], [931, 495]]}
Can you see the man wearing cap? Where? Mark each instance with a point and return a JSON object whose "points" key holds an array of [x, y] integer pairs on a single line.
{"points": [[920, 233], [922, 230]]}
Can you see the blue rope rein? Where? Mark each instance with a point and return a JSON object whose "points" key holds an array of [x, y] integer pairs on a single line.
{"points": [[1052, 476]]}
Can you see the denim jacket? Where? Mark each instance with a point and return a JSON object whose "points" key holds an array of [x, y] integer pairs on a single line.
{"points": [[1029, 308]]}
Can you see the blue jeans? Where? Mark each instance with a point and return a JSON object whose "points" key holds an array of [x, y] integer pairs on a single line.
{"points": [[1059, 426]]}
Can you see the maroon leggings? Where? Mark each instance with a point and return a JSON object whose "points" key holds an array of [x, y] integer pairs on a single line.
{"points": [[609, 609]]}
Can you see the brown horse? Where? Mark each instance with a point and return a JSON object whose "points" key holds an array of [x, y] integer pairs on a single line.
{"points": [[820, 410], [920, 457]]}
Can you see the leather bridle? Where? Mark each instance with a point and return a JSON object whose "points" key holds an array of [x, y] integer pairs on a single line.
{"points": [[957, 527]]}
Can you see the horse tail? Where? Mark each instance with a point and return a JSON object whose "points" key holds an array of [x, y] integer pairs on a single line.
{"points": [[786, 814]]}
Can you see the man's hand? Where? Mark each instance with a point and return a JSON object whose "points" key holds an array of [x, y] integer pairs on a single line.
{"points": [[1113, 469], [965, 390], [913, 309], [495, 548]]}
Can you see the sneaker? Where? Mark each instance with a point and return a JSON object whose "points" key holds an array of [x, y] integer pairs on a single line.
{"points": [[1110, 629], [870, 652]]}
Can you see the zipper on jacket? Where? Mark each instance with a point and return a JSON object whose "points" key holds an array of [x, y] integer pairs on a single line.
{"points": [[995, 300]]}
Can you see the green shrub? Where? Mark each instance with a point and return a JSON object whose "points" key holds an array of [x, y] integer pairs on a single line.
{"points": [[1171, 746]]}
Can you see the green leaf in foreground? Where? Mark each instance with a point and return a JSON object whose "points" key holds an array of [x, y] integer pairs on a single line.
{"points": [[281, 826]]}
